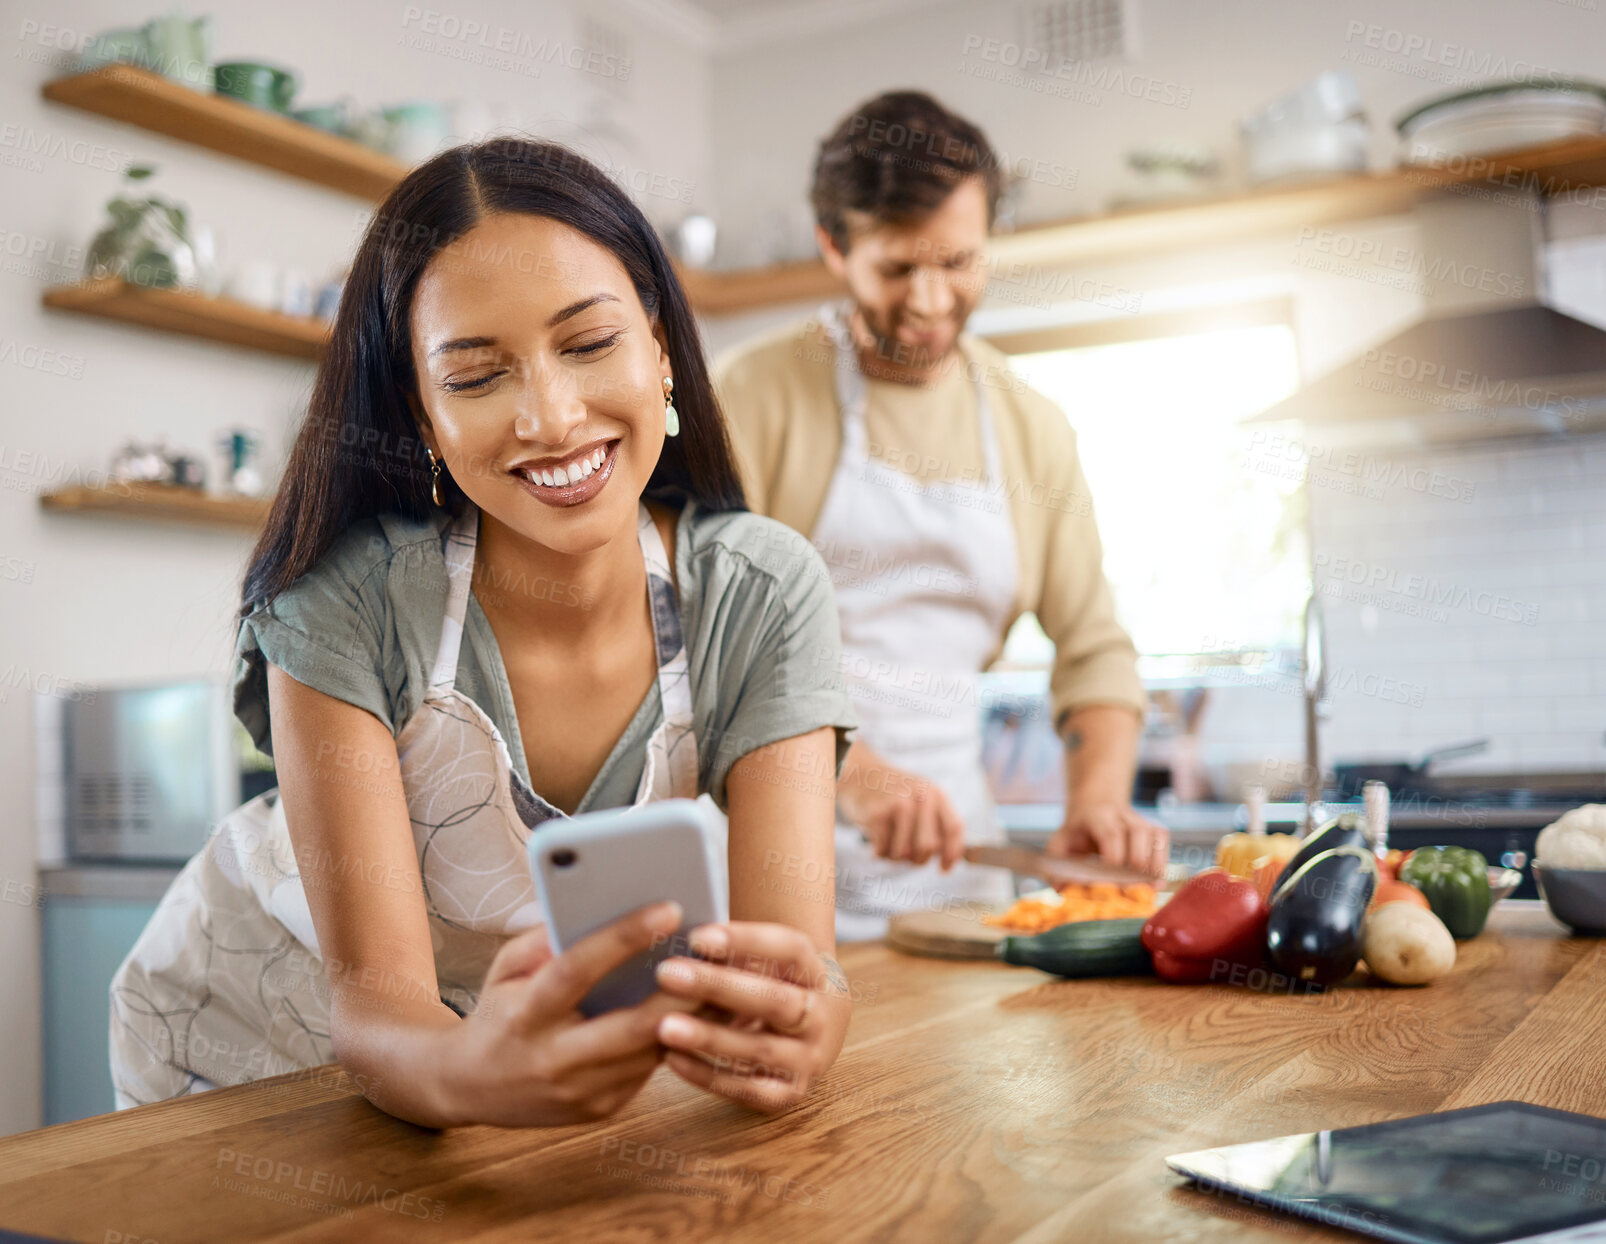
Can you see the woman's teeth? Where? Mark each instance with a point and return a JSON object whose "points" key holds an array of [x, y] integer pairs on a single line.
{"points": [[577, 471]]}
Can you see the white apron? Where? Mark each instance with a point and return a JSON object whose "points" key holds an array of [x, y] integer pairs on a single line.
{"points": [[925, 577], [226, 983]]}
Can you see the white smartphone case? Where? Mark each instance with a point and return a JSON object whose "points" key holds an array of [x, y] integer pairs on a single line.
{"points": [[591, 869]]}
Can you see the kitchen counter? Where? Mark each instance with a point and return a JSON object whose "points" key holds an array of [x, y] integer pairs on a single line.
{"points": [[1189, 822], [972, 1102], [110, 880]]}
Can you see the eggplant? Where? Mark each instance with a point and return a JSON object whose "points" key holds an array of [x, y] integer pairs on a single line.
{"points": [[1313, 934], [1347, 829]]}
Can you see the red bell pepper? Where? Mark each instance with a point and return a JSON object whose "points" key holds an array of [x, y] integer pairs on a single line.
{"points": [[1213, 922]]}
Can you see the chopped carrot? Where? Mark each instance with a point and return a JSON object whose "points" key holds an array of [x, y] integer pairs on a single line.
{"points": [[1101, 900]]}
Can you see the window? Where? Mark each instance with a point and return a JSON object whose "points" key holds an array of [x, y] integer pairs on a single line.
{"points": [[1203, 539]]}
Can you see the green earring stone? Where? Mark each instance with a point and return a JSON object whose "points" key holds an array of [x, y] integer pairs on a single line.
{"points": [[671, 421]]}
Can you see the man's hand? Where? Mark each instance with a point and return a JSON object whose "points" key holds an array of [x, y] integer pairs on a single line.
{"points": [[1101, 754], [1114, 832], [905, 816]]}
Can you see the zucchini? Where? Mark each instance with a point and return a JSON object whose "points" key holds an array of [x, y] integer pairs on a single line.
{"points": [[1083, 948]]}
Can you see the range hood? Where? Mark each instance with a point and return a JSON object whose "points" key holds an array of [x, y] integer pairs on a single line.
{"points": [[1490, 360]]}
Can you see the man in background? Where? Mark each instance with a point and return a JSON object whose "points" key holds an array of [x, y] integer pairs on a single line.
{"points": [[947, 499]]}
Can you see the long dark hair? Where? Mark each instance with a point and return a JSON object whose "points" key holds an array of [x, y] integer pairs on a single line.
{"points": [[359, 452]]}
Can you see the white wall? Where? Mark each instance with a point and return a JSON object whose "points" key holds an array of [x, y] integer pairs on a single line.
{"points": [[89, 599], [772, 105]]}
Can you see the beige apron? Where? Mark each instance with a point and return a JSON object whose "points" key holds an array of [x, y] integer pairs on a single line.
{"points": [[227, 984], [925, 577]]}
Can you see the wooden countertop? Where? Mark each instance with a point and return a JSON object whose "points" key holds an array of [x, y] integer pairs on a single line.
{"points": [[973, 1102]]}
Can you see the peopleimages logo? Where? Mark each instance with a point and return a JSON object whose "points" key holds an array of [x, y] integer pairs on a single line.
{"points": [[506, 42], [1408, 261], [1435, 382], [1312, 461], [1423, 56], [1093, 75], [312, 1188], [1334, 573]]}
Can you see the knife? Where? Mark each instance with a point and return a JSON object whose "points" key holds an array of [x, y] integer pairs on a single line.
{"points": [[1056, 869]]}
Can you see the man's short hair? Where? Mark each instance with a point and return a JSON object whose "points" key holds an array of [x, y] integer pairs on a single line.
{"points": [[895, 159]]}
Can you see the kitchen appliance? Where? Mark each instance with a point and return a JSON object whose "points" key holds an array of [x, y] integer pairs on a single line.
{"points": [[1491, 1174], [149, 770], [1397, 775], [1488, 360]]}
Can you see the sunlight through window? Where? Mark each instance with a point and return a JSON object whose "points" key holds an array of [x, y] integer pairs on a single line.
{"points": [[1203, 543]]}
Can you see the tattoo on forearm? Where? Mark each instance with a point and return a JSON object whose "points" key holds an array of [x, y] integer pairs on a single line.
{"points": [[836, 980]]}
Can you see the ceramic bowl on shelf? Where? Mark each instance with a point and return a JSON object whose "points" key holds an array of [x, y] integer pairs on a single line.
{"points": [[1504, 116], [263, 86], [335, 118]]}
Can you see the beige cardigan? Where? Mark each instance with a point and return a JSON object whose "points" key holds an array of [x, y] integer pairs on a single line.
{"points": [[779, 398]]}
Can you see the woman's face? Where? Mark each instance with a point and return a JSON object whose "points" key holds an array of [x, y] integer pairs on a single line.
{"points": [[536, 364]]}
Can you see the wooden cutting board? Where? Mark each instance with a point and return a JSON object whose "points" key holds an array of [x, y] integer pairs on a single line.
{"points": [[944, 933], [957, 932]]}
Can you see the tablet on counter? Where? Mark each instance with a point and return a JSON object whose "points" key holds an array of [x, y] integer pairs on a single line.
{"points": [[1490, 1174]]}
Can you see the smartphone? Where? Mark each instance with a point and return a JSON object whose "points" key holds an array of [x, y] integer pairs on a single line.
{"points": [[591, 869]]}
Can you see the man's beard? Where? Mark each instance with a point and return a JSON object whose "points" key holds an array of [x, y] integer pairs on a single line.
{"points": [[901, 356]]}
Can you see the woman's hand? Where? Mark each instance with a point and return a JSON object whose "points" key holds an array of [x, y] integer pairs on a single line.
{"points": [[527, 1056], [774, 1013]]}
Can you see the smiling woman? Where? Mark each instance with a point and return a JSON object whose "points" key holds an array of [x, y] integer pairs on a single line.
{"points": [[497, 587]]}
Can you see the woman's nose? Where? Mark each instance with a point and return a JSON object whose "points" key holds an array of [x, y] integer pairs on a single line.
{"points": [[550, 406]]}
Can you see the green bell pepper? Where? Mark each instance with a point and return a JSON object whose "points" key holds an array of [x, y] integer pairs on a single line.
{"points": [[1455, 881]]}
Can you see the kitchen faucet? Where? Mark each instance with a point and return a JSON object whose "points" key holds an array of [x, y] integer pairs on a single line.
{"points": [[1315, 687]]}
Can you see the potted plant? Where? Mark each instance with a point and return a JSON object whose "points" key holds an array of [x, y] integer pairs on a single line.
{"points": [[147, 241]]}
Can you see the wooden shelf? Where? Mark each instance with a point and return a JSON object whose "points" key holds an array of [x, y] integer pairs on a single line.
{"points": [[139, 97], [727, 293], [161, 501], [193, 315], [146, 99], [1572, 164], [1555, 168]]}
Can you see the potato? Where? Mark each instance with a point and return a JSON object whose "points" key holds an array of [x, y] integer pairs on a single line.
{"points": [[1406, 945]]}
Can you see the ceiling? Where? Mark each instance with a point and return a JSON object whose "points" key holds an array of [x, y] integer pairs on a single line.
{"points": [[729, 10]]}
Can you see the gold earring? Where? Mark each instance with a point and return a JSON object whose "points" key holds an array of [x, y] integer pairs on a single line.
{"points": [[435, 477], [671, 415]]}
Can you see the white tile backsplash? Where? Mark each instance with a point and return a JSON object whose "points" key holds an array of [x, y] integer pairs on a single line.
{"points": [[1494, 608]]}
